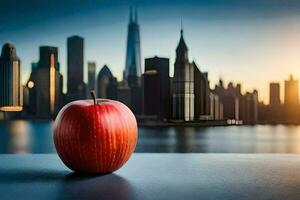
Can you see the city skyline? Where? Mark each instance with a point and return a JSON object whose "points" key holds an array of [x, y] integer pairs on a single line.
{"points": [[189, 99], [245, 46]]}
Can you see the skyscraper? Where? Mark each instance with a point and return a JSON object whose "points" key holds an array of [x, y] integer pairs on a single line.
{"points": [[133, 52], [229, 97], [156, 82], [291, 97], [201, 92], [75, 61], [274, 94], [45, 85], [91, 77], [106, 84], [152, 93], [124, 92], [11, 94], [248, 107], [183, 84]]}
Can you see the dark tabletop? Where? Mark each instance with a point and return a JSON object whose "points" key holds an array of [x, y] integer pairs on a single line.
{"points": [[156, 176]]}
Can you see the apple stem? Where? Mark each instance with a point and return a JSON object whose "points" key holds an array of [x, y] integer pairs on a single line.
{"points": [[93, 96]]}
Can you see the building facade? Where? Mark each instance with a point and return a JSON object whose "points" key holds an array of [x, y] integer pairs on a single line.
{"points": [[201, 92], [106, 84], [183, 84], [291, 97], [229, 97], [91, 77], [237, 107], [152, 93], [133, 52], [248, 106], [45, 85], [124, 92], [215, 107], [11, 94], [156, 84], [75, 63], [274, 94]]}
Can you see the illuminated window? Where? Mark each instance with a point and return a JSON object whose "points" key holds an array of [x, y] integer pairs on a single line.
{"points": [[30, 84], [52, 83]]}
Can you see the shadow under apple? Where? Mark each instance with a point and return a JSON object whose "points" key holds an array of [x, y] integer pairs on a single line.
{"points": [[108, 186]]}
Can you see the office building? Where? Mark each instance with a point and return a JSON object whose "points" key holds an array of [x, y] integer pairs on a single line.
{"points": [[11, 94], [215, 107], [248, 107], [91, 77], [201, 92], [291, 97], [152, 93], [106, 84], [274, 94], [183, 84], [156, 84], [133, 52], [124, 92], [75, 63], [229, 97], [45, 85]]}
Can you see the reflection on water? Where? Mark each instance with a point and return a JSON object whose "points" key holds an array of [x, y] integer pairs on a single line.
{"points": [[36, 137], [26, 137], [19, 140]]}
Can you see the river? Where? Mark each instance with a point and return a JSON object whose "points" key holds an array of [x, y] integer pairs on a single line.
{"points": [[36, 137]]}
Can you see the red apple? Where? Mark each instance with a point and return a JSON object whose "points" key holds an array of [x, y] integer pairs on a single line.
{"points": [[95, 136]]}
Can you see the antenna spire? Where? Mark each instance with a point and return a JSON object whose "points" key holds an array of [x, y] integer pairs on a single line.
{"points": [[130, 14], [136, 15], [181, 27]]}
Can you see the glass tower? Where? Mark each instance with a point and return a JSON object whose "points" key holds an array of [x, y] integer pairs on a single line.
{"points": [[133, 53]]}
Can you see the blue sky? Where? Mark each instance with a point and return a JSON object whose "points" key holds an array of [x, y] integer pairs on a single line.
{"points": [[252, 42]]}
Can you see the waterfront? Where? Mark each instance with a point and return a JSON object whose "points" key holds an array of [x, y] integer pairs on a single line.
{"points": [[36, 137]]}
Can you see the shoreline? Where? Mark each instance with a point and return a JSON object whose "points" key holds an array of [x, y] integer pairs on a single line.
{"points": [[184, 124], [204, 123]]}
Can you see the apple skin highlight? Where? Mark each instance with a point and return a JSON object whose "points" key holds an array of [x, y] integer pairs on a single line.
{"points": [[95, 136]]}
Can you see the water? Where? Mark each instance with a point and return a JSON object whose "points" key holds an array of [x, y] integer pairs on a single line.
{"points": [[36, 137]]}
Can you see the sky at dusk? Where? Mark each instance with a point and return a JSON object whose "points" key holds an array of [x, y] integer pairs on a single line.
{"points": [[251, 42]]}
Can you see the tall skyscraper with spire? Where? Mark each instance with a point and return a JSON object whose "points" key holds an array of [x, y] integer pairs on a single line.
{"points": [[133, 52], [183, 84]]}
